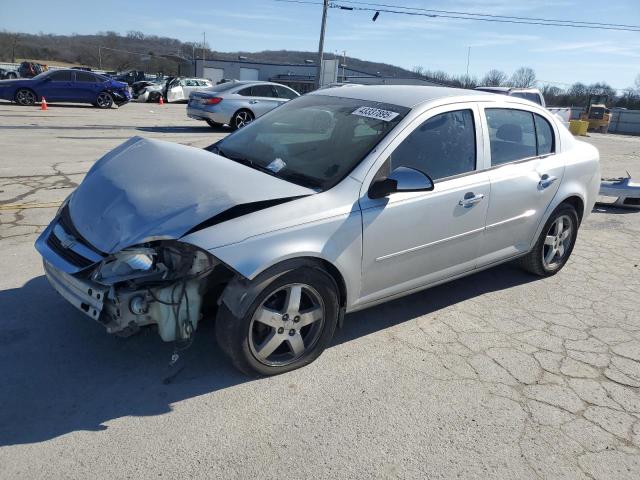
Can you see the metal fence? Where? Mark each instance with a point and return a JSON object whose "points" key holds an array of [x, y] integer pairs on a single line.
{"points": [[625, 121]]}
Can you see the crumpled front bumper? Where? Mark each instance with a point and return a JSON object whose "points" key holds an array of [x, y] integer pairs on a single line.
{"points": [[86, 296]]}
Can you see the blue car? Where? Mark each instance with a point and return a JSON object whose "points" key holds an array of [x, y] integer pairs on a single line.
{"points": [[76, 86]]}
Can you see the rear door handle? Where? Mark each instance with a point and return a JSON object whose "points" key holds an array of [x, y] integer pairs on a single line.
{"points": [[470, 199], [546, 181], [253, 101]]}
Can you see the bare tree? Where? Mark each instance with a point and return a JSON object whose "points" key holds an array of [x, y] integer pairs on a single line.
{"points": [[523, 77], [418, 70], [494, 78]]}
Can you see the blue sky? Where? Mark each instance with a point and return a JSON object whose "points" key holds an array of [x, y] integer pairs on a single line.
{"points": [[562, 55]]}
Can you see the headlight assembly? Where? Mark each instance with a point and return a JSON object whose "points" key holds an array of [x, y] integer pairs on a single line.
{"points": [[127, 265]]}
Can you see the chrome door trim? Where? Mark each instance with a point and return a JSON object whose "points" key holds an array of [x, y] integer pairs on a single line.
{"points": [[431, 244], [526, 214]]}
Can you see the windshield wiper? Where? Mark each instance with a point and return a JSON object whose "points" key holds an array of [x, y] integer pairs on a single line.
{"points": [[295, 177], [243, 161]]}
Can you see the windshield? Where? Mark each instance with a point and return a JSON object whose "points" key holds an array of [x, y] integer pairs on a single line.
{"points": [[314, 141], [42, 75]]}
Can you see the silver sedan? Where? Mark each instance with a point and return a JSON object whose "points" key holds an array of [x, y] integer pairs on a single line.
{"points": [[237, 103], [336, 201]]}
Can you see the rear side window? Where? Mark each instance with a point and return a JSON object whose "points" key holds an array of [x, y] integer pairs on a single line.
{"points": [[64, 76], [511, 134], [443, 146], [245, 92], [284, 92], [544, 135], [86, 77], [262, 91]]}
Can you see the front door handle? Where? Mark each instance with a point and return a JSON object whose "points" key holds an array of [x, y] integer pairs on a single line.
{"points": [[470, 199], [546, 181], [253, 101]]}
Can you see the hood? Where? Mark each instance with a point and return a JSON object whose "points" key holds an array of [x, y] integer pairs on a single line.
{"points": [[148, 190]]}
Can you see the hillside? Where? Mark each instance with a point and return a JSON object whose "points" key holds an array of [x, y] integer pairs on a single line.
{"points": [[109, 50]]}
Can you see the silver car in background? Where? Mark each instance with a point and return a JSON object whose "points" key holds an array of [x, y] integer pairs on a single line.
{"points": [[237, 103], [337, 201]]}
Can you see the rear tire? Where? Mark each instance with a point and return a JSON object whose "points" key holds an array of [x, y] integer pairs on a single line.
{"points": [[241, 119], [287, 326], [213, 124], [154, 97], [26, 97], [555, 244]]}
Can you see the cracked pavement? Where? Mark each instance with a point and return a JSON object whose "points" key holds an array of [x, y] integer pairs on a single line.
{"points": [[497, 375]]}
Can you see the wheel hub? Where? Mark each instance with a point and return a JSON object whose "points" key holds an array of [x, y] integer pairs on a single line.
{"points": [[286, 325]]}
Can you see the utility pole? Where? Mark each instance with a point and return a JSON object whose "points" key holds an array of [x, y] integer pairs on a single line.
{"points": [[325, 7], [468, 57], [204, 42], [344, 63], [100, 58]]}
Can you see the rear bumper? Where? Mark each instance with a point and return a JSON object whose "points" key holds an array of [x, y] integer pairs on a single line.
{"points": [[199, 113]]}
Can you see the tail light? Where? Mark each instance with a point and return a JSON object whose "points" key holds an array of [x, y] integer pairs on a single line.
{"points": [[212, 101]]}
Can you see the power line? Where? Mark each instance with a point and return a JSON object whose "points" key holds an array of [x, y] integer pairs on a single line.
{"points": [[374, 4], [492, 19], [459, 15]]}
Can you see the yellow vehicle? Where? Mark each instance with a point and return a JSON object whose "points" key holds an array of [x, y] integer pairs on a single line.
{"points": [[597, 114]]}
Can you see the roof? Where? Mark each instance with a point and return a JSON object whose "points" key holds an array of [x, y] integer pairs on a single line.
{"points": [[402, 95]]}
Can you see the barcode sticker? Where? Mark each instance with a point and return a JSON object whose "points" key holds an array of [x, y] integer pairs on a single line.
{"points": [[377, 113]]}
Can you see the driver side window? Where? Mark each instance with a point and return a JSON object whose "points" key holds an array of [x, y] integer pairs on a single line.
{"points": [[443, 146]]}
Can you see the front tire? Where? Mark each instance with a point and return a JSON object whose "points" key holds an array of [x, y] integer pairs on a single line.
{"points": [[287, 326], [104, 100], [154, 97], [26, 97], [555, 244], [242, 118]]}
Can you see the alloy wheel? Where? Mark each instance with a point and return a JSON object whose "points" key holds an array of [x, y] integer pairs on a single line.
{"points": [[286, 325], [243, 119], [26, 97], [104, 100], [557, 242]]}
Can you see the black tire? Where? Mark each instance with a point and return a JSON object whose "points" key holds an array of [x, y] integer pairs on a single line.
{"points": [[213, 124], [237, 337], [11, 76], [26, 97], [241, 118], [535, 261], [104, 100], [154, 97]]}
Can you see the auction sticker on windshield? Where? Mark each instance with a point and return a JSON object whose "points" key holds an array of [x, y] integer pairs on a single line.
{"points": [[377, 113]]}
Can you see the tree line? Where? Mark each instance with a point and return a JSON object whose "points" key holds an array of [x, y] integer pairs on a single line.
{"points": [[576, 95]]}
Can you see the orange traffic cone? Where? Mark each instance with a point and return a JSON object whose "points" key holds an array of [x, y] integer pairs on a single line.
{"points": [[161, 100], [43, 104]]}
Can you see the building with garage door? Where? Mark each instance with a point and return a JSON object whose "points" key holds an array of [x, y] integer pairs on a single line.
{"points": [[300, 77]]}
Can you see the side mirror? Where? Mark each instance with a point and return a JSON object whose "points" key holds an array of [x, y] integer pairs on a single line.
{"points": [[402, 179]]}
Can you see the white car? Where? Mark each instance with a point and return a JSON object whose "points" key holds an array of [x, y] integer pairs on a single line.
{"points": [[174, 89], [333, 202]]}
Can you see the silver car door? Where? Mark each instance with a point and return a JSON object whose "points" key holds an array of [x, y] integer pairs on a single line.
{"points": [[263, 99], [525, 175], [414, 239]]}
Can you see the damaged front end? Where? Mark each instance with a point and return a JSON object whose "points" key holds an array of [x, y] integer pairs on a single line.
{"points": [[160, 282]]}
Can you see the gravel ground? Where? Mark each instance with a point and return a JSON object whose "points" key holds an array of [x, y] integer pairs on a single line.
{"points": [[498, 375]]}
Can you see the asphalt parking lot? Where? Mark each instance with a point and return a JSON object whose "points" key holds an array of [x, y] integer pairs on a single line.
{"points": [[498, 375]]}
